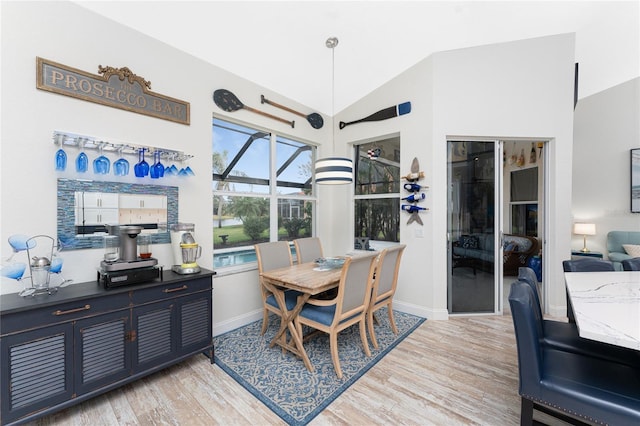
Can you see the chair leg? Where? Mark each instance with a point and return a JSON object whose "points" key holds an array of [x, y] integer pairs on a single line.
{"points": [[265, 320], [391, 318], [526, 412], [372, 333], [333, 342], [363, 336]]}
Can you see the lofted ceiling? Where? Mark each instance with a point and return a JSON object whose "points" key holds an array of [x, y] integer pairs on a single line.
{"points": [[281, 45]]}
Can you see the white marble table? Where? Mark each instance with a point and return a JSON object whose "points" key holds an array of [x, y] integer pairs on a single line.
{"points": [[606, 306]]}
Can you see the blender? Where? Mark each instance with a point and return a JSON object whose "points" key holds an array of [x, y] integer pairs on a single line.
{"points": [[189, 251], [176, 231]]}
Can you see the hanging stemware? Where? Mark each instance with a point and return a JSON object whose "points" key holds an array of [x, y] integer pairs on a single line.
{"points": [[121, 165], [82, 161], [157, 170], [142, 168], [101, 164], [61, 155]]}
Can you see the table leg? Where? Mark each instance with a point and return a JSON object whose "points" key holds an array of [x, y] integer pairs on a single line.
{"points": [[287, 322]]}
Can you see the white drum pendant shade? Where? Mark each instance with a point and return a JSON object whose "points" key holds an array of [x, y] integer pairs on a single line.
{"points": [[334, 171]]}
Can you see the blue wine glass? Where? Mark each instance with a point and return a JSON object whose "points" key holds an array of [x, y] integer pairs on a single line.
{"points": [[61, 160], [101, 164], [121, 167], [142, 168], [82, 163], [15, 271], [157, 170]]}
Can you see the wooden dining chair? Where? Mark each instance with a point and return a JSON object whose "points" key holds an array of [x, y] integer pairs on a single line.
{"points": [[273, 255], [384, 287], [308, 249], [349, 307]]}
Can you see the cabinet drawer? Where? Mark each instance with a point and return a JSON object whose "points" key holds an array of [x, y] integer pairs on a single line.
{"points": [[171, 290], [63, 312]]}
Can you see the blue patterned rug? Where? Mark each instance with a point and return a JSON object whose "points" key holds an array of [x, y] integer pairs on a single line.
{"points": [[282, 382]]}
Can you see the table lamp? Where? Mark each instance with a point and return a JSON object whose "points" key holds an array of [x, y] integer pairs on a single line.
{"points": [[584, 229]]}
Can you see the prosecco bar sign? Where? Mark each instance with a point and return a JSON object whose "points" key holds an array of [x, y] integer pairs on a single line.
{"points": [[115, 87]]}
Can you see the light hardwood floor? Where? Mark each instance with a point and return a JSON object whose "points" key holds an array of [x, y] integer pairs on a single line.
{"points": [[457, 372]]}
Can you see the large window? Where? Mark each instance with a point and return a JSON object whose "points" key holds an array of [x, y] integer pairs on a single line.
{"points": [[262, 190], [377, 190]]}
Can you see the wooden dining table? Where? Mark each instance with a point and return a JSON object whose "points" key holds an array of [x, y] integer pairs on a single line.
{"points": [[309, 280], [606, 306]]}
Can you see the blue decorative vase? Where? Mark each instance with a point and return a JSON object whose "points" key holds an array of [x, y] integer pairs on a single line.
{"points": [[535, 263]]}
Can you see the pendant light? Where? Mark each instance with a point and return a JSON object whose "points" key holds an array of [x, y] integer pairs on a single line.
{"points": [[333, 170]]}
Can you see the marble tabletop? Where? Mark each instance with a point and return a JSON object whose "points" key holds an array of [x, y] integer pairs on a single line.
{"points": [[606, 306]]}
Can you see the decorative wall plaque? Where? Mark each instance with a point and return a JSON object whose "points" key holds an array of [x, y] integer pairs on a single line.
{"points": [[115, 87]]}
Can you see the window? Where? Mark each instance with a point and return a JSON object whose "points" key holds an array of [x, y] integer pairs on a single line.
{"points": [[377, 190], [247, 189]]}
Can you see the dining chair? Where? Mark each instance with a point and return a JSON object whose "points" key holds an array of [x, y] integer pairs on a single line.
{"points": [[632, 264], [349, 307], [384, 287], [273, 255], [564, 336], [584, 265], [308, 249]]}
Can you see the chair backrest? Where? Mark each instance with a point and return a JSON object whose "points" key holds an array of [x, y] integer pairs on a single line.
{"points": [[527, 275], [615, 240], [527, 323], [308, 249], [631, 264], [273, 255], [587, 265], [354, 290], [386, 278]]}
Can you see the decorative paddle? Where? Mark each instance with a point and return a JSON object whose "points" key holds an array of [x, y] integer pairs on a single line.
{"points": [[227, 101], [383, 114], [314, 118]]}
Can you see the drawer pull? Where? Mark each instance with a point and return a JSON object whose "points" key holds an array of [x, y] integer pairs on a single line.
{"points": [[171, 290], [71, 311]]}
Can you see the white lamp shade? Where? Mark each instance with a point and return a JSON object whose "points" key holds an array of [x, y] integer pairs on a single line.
{"points": [[334, 171], [584, 228]]}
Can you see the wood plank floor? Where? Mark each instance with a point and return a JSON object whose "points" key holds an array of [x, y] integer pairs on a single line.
{"points": [[457, 372]]}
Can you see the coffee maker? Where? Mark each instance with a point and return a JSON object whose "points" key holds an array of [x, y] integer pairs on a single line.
{"points": [[185, 249], [123, 266]]}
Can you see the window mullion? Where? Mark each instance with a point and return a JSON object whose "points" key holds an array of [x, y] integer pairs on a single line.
{"points": [[273, 189]]}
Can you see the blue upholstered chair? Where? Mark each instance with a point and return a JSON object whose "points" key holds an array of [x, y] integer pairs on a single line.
{"points": [[584, 265], [384, 287], [348, 308], [632, 264], [565, 337], [565, 384], [274, 255]]}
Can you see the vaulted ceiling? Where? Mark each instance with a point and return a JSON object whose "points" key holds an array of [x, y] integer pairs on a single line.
{"points": [[281, 45]]}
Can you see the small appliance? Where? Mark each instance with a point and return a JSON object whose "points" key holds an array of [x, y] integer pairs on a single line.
{"points": [[185, 249], [125, 267]]}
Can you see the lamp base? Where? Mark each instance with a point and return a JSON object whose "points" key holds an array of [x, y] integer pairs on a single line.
{"points": [[585, 250]]}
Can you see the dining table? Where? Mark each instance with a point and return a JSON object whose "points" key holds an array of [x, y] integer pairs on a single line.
{"points": [[606, 306], [309, 279]]}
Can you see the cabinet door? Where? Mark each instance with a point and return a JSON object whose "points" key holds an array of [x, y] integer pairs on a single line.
{"points": [[142, 201], [155, 334], [36, 370], [100, 216], [194, 322], [100, 200], [102, 350]]}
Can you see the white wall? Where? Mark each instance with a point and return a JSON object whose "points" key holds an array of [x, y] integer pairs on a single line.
{"points": [[606, 127], [510, 90], [68, 34]]}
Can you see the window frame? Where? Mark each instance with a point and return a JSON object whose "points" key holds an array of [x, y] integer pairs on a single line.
{"points": [[272, 195]]}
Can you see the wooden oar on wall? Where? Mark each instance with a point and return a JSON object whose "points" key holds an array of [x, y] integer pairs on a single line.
{"points": [[227, 101], [383, 114], [314, 118]]}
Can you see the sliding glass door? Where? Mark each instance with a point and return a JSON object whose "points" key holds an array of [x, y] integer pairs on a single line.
{"points": [[474, 219]]}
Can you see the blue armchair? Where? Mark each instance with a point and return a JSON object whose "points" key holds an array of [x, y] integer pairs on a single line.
{"points": [[565, 384], [617, 253]]}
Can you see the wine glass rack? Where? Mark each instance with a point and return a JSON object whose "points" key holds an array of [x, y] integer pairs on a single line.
{"points": [[67, 139]]}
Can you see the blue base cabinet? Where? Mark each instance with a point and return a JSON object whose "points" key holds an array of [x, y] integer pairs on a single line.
{"points": [[59, 350]]}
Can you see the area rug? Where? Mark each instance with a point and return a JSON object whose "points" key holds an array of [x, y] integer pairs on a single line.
{"points": [[282, 382]]}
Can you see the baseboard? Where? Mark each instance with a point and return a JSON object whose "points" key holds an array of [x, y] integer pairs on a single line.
{"points": [[236, 322], [421, 311]]}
